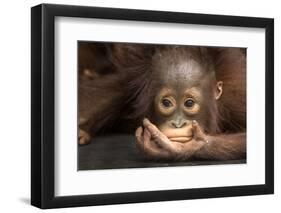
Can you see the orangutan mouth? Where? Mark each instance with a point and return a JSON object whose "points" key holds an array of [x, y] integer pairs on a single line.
{"points": [[181, 139]]}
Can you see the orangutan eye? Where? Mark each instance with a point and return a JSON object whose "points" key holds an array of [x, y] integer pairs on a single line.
{"points": [[167, 103], [189, 103]]}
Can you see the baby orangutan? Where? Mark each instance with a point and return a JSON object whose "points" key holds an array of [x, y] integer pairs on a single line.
{"points": [[185, 119]]}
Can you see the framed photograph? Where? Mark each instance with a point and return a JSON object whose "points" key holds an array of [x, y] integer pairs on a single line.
{"points": [[139, 106]]}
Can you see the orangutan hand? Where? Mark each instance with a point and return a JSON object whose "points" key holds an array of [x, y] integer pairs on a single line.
{"points": [[155, 145]]}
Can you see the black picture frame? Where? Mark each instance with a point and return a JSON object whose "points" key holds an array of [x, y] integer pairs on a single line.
{"points": [[43, 117]]}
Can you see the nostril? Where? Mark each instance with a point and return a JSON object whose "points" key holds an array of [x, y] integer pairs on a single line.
{"points": [[174, 124], [183, 124], [179, 124]]}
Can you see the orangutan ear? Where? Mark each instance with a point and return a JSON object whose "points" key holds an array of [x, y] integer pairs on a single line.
{"points": [[218, 90]]}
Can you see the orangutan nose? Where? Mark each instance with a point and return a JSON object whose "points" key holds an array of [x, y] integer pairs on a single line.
{"points": [[179, 123]]}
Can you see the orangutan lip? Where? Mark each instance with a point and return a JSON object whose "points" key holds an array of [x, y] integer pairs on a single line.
{"points": [[182, 139]]}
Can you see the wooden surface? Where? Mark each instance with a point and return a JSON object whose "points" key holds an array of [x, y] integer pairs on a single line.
{"points": [[119, 151]]}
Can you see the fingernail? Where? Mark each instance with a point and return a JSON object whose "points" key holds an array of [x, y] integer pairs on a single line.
{"points": [[145, 121]]}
